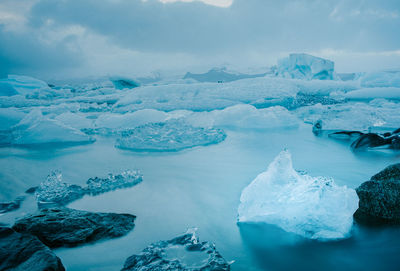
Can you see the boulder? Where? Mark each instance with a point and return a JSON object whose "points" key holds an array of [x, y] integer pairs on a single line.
{"points": [[20, 252], [64, 227], [182, 253], [380, 198]]}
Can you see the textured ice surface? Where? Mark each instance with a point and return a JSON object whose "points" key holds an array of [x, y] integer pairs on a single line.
{"points": [[9, 117], [245, 116], [173, 135], [304, 66], [35, 128], [126, 179], [314, 207], [54, 190], [123, 82]]}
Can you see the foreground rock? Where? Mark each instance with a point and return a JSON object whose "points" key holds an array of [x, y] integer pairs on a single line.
{"points": [[63, 227], [185, 252], [11, 206], [380, 198], [25, 252]]}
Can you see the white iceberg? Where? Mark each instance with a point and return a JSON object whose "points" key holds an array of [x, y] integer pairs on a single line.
{"points": [[381, 79], [35, 128], [313, 207], [304, 66], [23, 85]]}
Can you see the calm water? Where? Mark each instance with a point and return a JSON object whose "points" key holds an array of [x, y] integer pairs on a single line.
{"points": [[201, 188]]}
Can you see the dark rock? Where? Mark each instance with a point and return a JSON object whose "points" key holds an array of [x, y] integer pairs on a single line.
{"points": [[63, 227], [174, 255], [369, 140], [31, 190], [11, 206], [25, 252], [380, 198]]}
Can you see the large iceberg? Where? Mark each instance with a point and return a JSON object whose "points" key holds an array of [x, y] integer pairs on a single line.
{"points": [[304, 66], [172, 135], [35, 128], [313, 207]]}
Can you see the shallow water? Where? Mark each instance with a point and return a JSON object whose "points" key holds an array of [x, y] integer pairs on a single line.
{"points": [[201, 187]]}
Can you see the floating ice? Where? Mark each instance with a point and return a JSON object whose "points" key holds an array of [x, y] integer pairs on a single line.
{"points": [[173, 135], [353, 116], [9, 117], [123, 83], [24, 85], [126, 179], [245, 116], [381, 79], [314, 207], [220, 75], [304, 66], [54, 190], [35, 128]]}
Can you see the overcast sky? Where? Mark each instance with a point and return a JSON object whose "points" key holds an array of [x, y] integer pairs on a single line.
{"points": [[73, 38]]}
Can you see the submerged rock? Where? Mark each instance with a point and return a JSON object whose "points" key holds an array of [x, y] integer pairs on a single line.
{"points": [[126, 179], [54, 191], [182, 253], [64, 227], [25, 252], [380, 197], [173, 135], [313, 207], [11, 206]]}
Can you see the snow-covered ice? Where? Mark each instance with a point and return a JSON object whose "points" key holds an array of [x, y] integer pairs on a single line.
{"points": [[314, 207], [173, 135], [380, 79], [392, 93], [304, 66]]}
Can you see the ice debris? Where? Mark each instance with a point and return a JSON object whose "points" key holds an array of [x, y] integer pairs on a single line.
{"points": [[172, 135], [304, 66], [313, 207], [22, 85], [185, 253], [126, 179]]}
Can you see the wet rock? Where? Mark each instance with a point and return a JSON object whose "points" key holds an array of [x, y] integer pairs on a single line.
{"points": [[64, 227], [25, 252], [369, 140], [54, 191], [11, 206], [31, 190], [126, 179], [380, 198], [185, 252]]}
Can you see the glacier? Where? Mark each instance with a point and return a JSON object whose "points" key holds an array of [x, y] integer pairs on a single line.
{"points": [[305, 66], [313, 207]]}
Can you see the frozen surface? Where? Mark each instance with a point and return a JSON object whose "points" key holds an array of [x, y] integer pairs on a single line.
{"points": [[23, 85], [127, 178], [353, 116], [304, 66], [35, 129], [314, 207], [172, 135]]}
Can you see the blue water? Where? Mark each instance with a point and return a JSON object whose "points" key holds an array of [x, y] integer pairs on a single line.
{"points": [[201, 187]]}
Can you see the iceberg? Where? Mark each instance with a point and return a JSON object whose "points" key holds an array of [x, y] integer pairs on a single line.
{"points": [[23, 85], [220, 75], [172, 135], [304, 66], [35, 128], [54, 191], [381, 79], [124, 83], [313, 207]]}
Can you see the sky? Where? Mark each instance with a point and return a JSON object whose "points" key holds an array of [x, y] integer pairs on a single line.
{"points": [[78, 38]]}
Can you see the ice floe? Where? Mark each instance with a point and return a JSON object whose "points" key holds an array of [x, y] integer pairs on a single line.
{"points": [[313, 207]]}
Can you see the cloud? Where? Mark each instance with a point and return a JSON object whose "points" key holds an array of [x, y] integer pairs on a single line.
{"points": [[112, 36]]}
